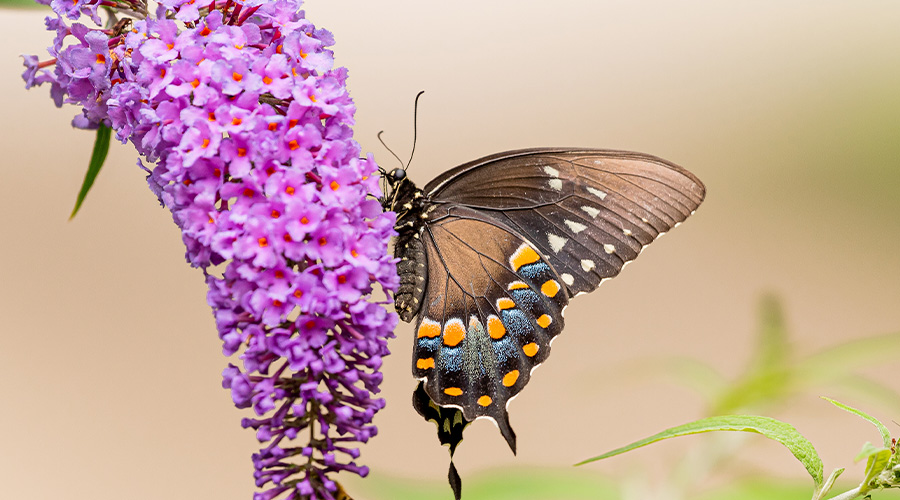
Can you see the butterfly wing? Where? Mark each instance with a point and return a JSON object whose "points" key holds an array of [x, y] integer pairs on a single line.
{"points": [[492, 305], [589, 211]]}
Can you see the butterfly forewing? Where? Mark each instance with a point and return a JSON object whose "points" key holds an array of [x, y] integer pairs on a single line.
{"points": [[588, 211], [492, 305]]}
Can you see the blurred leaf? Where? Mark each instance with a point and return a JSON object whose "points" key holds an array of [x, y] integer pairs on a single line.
{"points": [[757, 489], [768, 376], [693, 373], [772, 375], [520, 483], [21, 3], [779, 431], [755, 391], [773, 347], [98, 156], [872, 391], [835, 361], [885, 433]]}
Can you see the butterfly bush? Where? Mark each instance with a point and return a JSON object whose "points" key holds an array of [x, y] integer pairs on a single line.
{"points": [[246, 124]]}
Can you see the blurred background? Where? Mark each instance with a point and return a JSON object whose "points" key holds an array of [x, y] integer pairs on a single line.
{"points": [[788, 111]]}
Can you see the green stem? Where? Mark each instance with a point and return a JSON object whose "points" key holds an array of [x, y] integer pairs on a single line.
{"points": [[848, 495]]}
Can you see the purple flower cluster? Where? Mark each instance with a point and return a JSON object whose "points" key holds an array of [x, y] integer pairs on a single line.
{"points": [[248, 124]]}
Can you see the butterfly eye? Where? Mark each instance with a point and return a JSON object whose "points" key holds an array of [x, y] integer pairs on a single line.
{"points": [[398, 174]]}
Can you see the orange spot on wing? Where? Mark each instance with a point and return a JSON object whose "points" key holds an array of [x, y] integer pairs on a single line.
{"points": [[485, 400], [550, 288], [495, 328], [505, 303], [544, 321], [510, 378], [429, 329], [425, 363], [530, 349], [454, 333], [453, 391], [517, 285], [523, 256]]}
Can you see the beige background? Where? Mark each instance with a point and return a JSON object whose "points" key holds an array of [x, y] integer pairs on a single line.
{"points": [[789, 111]]}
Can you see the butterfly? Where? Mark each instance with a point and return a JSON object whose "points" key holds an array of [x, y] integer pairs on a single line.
{"points": [[491, 252]]}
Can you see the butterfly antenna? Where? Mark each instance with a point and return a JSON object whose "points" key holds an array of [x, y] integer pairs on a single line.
{"points": [[415, 119], [389, 149]]}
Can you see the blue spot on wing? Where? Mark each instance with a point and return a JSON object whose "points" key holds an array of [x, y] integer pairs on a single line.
{"points": [[450, 359], [506, 348], [534, 271], [516, 323], [525, 298], [430, 344]]}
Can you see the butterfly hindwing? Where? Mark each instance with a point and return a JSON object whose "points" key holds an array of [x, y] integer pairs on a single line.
{"points": [[588, 211], [492, 305]]}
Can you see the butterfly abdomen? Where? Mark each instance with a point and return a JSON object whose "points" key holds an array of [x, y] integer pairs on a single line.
{"points": [[413, 272]]}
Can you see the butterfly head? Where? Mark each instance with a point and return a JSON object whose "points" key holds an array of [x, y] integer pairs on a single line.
{"points": [[396, 176]]}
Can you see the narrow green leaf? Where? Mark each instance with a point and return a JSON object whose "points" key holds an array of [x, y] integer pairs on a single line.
{"points": [[784, 433], [885, 433], [874, 466], [98, 156], [828, 484]]}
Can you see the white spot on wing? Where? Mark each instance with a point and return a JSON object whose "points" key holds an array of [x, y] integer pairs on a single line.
{"points": [[609, 248], [556, 242], [556, 184], [575, 226], [626, 232], [597, 193], [551, 171], [587, 264], [593, 212], [567, 279]]}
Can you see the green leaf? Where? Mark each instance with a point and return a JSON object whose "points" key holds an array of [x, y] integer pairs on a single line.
{"points": [[874, 466], [868, 450], [885, 433], [98, 156], [784, 433]]}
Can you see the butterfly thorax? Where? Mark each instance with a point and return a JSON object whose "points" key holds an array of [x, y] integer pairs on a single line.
{"points": [[410, 205]]}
